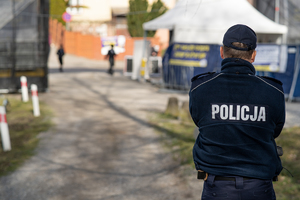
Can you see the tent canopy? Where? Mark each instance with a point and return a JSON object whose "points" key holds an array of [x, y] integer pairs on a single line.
{"points": [[190, 18]]}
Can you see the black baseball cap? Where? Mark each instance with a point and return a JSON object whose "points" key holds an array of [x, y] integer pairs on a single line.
{"points": [[240, 33]]}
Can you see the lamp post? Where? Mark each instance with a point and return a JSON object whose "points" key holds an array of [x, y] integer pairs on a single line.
{"points": [[13, 49], [277, 4]]}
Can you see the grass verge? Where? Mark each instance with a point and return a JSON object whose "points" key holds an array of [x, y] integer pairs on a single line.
{"points": [[288, 188], [178, 137], [23, 130]]}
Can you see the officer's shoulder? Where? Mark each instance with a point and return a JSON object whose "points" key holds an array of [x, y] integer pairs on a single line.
{"points": [[203, 75], [271, 80]]}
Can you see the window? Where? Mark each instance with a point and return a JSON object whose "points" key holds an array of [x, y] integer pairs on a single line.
{"points": [[75, 8]]}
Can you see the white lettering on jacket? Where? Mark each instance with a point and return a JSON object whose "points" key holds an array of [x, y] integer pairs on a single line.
{"points": [[234, 112]]}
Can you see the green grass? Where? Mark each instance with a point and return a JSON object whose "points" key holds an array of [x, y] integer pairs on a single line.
{"points": [[23, 131], [178, 138], [288, 188]]}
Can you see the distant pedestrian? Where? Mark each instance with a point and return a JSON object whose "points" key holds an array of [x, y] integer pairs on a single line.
{"points": [[111, 58], [60, 54]]}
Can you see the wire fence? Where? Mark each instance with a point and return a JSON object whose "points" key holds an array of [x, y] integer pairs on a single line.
{"points": [[24, 45]]}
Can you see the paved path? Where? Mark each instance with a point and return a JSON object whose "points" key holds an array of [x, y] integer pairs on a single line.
{"points": [[101, 146], [292, 114]]}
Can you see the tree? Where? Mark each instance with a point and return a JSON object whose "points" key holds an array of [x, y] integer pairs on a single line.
{"points": [[57, 8], [158, 8], [138, 14]]}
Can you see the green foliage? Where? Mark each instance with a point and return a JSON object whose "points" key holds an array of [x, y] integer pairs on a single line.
{"points": [[288, 188], [138, 14], [176, 135], [57, 8], [137, 17], [158, 8]]}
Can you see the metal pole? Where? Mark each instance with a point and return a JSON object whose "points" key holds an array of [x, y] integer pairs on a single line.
{"points": [[286, 21], [144, 50], [277, 4], [13, 45], [144, 45], [295, 77], [286, 12]]}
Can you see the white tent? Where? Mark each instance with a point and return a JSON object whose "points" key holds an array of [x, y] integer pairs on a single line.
{"points": [[206, 21]]}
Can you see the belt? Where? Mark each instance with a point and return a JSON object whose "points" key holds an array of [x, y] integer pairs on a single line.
{"points": [[203, 175], [221, 178]]}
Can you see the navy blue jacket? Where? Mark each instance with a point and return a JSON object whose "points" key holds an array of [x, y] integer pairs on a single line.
{"points": [[239, 115]]}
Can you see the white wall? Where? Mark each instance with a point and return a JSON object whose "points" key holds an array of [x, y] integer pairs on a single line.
{"points": [[98, 10], [119, 3]]}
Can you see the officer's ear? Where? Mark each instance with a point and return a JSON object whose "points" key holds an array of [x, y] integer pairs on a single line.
{"points": [[253, 57], [222, 52]]}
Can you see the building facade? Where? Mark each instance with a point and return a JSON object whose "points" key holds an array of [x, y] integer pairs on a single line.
{"points": [[102, 17], [285, 12]]}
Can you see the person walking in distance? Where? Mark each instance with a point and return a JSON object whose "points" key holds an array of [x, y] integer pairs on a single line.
{"points": [[60, 53], [239, 115], [111, 58]]}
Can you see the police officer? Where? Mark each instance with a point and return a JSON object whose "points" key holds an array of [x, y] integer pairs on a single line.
{"points": [[239, 115]]}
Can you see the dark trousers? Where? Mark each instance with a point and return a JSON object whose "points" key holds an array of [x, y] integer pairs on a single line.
{"points": [[252, 189], [60, 60], [111, 65]]}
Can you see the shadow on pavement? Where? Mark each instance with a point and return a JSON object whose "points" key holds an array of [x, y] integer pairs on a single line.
{"points": [[79, 70], [126, 114]]}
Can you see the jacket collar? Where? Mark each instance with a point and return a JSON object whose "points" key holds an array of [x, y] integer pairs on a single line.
{"points": [[237, 66]]}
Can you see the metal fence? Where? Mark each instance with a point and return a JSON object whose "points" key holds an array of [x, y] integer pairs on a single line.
{"points": [[24, 45], [178, 77]]}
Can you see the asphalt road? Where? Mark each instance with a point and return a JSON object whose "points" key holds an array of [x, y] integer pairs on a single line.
{"points": [[101, 146]]}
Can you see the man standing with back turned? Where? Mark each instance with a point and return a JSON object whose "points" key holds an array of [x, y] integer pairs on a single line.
{"points": [[239, 115]]}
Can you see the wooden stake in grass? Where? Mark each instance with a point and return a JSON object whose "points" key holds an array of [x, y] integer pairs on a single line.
{"points": [[4, 130], [172, 107], [184, 113]]}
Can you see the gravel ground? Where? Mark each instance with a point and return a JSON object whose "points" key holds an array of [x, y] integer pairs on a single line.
{"points": [[101, 146]]}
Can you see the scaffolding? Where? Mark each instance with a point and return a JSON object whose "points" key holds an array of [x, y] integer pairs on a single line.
{"points": [[24, 45]]}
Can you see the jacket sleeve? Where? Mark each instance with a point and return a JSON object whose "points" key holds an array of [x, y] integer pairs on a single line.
{"points": [[191, 109], [193, 104], [281, 121], [281, 105]]}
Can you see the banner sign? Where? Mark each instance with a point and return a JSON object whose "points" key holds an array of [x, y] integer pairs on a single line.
{"points": [[190, 55], [182, 61], [271, 58], [117, 41]]}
